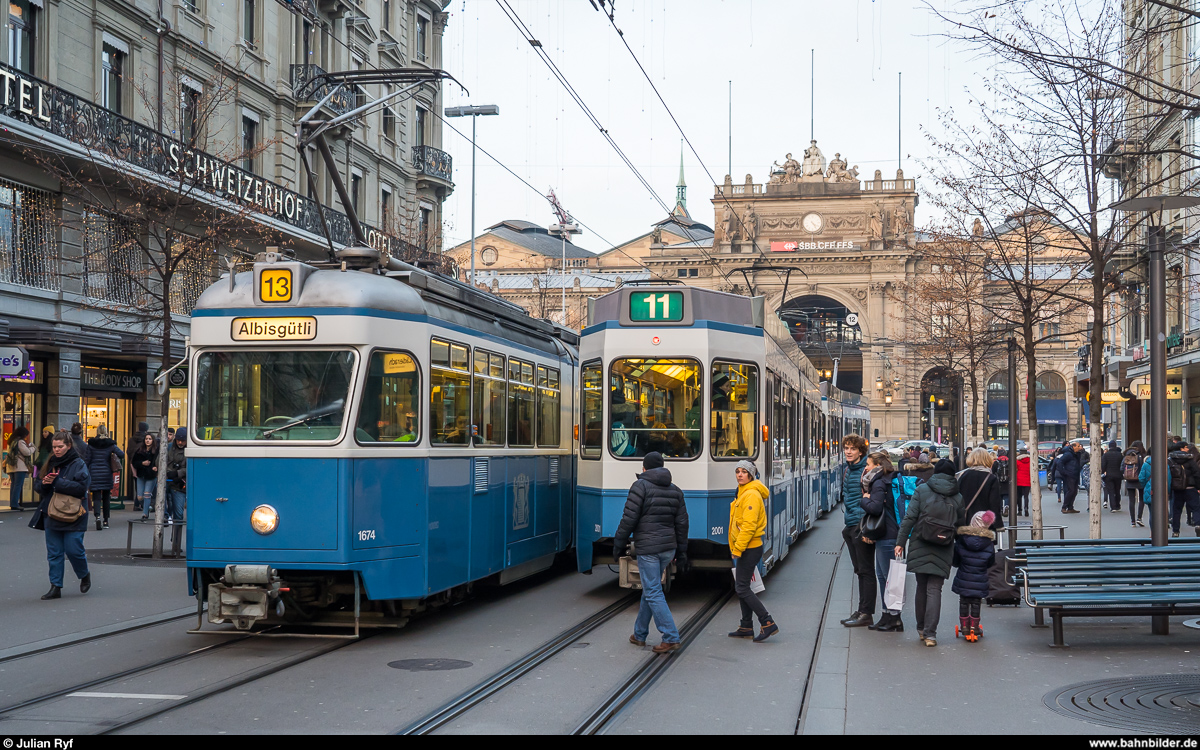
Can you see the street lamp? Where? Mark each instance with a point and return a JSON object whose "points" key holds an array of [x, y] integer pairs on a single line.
{"points": [[563, 230], [473, 112], [1157, 282]]}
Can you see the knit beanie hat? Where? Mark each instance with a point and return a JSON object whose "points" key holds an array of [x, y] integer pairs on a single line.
{"points": [[653, 460], [983, 519], [945, 466], [749, 466]]}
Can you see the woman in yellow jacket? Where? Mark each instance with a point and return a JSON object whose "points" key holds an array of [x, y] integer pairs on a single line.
{"points": [[747, 524]]}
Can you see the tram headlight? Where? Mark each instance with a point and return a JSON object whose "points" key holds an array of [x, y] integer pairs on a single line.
{"points": [[264, 519]]}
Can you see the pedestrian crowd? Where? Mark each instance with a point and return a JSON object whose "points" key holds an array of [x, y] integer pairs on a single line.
{"points": [[73, 477]]}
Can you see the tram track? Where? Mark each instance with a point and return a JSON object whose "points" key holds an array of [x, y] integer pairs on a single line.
{"points": [[151, 623], [644, 677], [806, 694], [514, 671]]}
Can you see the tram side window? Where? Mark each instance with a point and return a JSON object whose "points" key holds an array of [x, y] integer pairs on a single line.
{"points": [[549, 404], [591, 433], [389, 412], [520, 404], [734, 410], [449, 393], [655, 406], [488, 414]]}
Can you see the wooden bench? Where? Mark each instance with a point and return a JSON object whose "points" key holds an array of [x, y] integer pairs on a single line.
{"points": [[176, 530], [1110, 580]]}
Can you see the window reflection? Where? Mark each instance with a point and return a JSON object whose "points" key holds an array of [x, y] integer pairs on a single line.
{"points": [[655, 406], [734, 410]]}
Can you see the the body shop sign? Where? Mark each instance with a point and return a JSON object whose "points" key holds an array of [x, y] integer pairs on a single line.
{"points": [[125, 381]]}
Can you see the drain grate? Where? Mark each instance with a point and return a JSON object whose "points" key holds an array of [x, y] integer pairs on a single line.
{"points": [[1169, 704], [429, 665], [827, 552]]}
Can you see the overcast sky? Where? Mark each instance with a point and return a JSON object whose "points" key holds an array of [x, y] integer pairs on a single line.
{"points": [[691, 49]]}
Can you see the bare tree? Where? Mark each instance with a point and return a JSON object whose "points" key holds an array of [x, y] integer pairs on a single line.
{"points": [[945, 314], [155, 215]]}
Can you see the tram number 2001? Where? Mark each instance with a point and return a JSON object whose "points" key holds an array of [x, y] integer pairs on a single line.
{"points": [[717, 531], [366, 534]]}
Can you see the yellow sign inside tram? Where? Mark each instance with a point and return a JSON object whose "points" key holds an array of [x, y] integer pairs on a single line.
{"points": [[275, 285], [394, 363]]}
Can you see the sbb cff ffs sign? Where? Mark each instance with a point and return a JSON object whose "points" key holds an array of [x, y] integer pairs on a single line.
{"points": [[655, 307]]}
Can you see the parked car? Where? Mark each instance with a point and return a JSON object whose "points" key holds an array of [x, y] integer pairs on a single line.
{"points": [[902, 447], [996, 445]]}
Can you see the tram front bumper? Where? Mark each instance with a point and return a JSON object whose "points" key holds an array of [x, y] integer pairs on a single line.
{"points": [[243, 596]]}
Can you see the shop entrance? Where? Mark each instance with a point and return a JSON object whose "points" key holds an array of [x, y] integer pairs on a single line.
{"points": [[21, 403], [115, 412]]}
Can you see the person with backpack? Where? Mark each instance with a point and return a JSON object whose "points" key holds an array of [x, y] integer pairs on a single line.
{"points": [[655, 517], [879, 502], [1131, 471], [177, 477], [974, 554], [1024, 478], [747, 524], [17, 463], [63, 514], [979, 485], [862, 555], [1001, 468], [1111, 471], [1184, 474], [928, 528]]}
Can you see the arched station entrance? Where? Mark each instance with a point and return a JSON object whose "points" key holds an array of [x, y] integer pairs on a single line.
{"points": [[826, 331]]}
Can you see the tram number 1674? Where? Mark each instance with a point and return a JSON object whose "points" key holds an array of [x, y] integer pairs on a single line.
{"points": [[366, 534]]}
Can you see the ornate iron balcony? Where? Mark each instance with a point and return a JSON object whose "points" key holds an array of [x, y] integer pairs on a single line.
{"points": [[307, 86], [433, 162]]}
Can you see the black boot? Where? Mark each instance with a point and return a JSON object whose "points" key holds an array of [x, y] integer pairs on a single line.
{"points": [[860, 621], [85, 583], [893, 625], [743, 631], [54, 593], [852, 618]]}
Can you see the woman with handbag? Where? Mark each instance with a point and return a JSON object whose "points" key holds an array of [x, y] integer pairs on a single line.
{"points": [[879, 527], [105, 460], [980, 486], [63, 514]]}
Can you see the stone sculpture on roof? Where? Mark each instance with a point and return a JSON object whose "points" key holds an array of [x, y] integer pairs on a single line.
{"points": [[814, 161], [837, 170], [750, 223], [875, 224], [788, 173]]}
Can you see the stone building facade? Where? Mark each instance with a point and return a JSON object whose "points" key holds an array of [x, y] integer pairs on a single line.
{"points": [[213, 90]]}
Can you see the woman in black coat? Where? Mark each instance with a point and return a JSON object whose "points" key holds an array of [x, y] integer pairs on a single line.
{"points": [[100, 468], [877, 500], [974, 553], [65, 473], [980, 488]]}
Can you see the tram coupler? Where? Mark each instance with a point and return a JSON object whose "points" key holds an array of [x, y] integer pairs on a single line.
{"points": [[244, 595], [630, 578]]}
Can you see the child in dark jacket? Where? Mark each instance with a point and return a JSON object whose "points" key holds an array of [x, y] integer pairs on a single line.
{"points": [[974, 553]]}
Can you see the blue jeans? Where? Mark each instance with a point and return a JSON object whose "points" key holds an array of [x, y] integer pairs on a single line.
{"points": [[18, 486], [885, 550], [175, 503], [70, 544], [145, 490], [650, 569]]}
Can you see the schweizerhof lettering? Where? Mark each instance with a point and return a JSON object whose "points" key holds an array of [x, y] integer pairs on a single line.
{"points": [[274, 329]]}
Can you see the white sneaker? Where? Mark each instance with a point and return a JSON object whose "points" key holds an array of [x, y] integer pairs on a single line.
{"points": [[171, 522]]}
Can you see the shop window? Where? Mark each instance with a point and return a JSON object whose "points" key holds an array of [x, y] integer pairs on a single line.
{"points": [[390, 411], [28, 247]]}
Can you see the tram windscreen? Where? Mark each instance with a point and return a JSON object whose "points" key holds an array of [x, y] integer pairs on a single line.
{"points": [[272, 395], [655, 406]]}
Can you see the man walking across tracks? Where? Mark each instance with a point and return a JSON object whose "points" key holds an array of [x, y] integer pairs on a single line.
{"points": [[656, 518]]}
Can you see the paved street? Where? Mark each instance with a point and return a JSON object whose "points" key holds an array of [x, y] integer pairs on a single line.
{"points": [[863, 682]]}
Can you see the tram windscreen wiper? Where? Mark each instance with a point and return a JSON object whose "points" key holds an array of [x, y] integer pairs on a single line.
{"points": [[323, 411]]}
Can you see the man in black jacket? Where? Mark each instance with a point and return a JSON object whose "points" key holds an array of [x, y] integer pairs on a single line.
{"points": [[1070, 463], [1110, 466], [656, 518]]}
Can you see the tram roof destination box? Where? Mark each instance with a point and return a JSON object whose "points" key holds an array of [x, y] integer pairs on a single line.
{"points": [[635, 306]]}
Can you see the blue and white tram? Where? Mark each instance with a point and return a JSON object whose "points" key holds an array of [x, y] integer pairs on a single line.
{"points": [[706, 379], [370, 441]]}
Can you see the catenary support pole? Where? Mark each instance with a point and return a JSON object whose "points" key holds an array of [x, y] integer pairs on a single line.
{"points": [[1013, 418]]}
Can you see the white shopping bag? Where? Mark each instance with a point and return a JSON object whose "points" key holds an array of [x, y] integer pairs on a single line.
{"points": [[756, 583], [893, 592]]}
